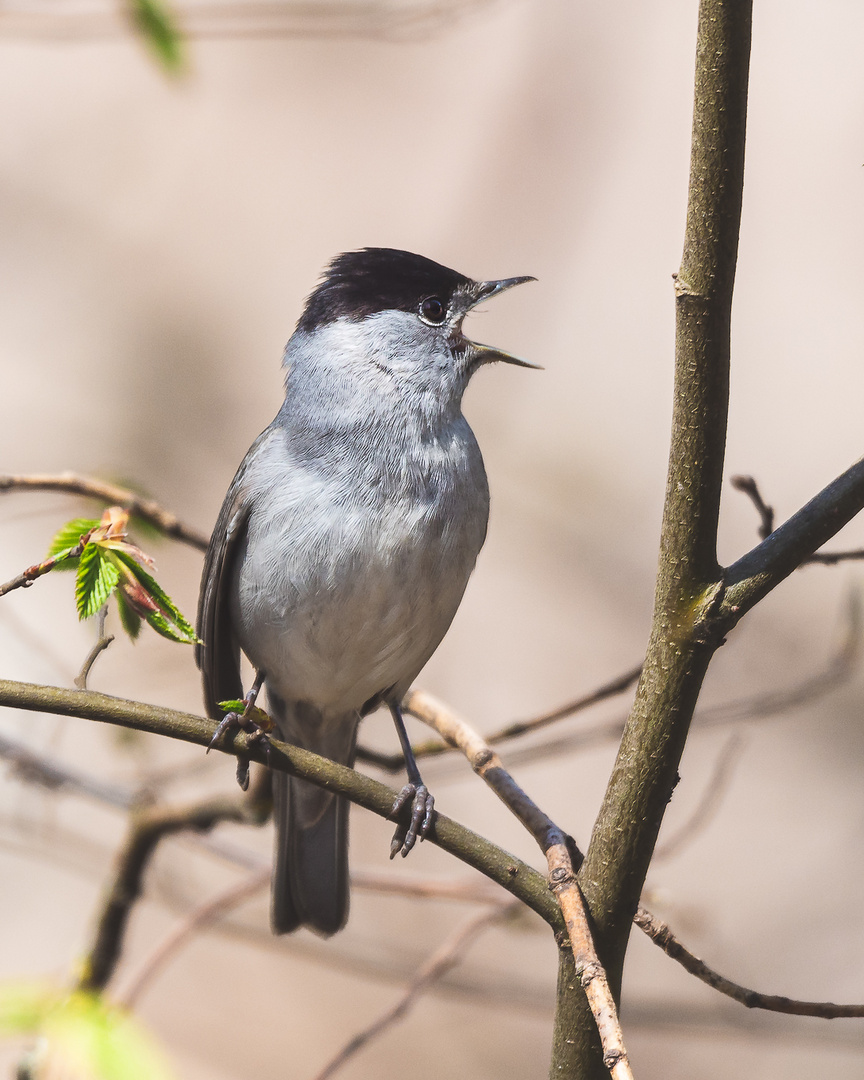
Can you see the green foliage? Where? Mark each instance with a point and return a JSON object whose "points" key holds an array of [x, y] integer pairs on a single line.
{"points": [[67, 538], [97, 579], [83, 1034], [155, 22], [130, 620], [110, 565], [257, 716]]}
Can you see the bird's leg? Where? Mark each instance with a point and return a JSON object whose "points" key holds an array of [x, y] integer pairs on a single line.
{"points": [[246, 721], [415, 792]]}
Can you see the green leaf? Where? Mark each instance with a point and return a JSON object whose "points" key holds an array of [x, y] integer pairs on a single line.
{"points": [[84, 1035], [169, 621], [67, 538], [156, 23], [130, 620], [234, 705], [97, 578]]}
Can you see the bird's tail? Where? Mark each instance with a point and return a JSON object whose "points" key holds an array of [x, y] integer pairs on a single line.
{"points": [[310, 872]]}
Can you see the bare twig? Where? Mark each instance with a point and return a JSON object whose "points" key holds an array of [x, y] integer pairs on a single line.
{"points": [[839, 668], [661, 935], [194, 922], [715, 789], [441, 961], [432, 748], [40, 768], [113, 494], [102, 643], [560, 852], [26, 578], [602, 693], [147, 828], [748, 485]]}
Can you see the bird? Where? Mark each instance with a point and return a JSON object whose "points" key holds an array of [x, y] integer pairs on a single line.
{"points": [[345, 543]]}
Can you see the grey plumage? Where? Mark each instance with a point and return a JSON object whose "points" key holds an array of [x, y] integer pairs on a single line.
{"points": [[347, 538]]}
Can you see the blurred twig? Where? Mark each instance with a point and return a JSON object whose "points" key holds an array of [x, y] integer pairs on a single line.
{"points": [[112, 494], [413, 704], [661, 935], [715, 789], [147, 827], [441, 961], [194, 922]]}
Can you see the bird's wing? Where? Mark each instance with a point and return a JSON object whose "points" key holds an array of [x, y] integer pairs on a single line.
{"points": [[219, 655]]}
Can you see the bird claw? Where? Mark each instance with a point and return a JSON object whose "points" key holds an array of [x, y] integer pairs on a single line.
{"points": [[256, 734], [422, 811]]}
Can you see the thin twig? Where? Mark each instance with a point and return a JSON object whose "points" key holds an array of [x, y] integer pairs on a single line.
{"points": [[748, 485], [561, 854], [26, 578], [102, 643], [441, 961], [195, 921], [661, 935], [146, 829], [72, 484], [707, 806], [39, 768], [433, 748], [602, 693], [840, 667]]}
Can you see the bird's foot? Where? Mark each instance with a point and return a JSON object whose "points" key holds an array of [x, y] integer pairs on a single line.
{"points": [[254, 722], [422, 811]]}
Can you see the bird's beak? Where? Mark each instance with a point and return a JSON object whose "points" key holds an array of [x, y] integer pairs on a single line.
{"points": [[486, 354]]}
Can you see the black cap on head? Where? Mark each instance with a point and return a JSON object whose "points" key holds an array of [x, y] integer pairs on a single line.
{"points": [[359, 283]]}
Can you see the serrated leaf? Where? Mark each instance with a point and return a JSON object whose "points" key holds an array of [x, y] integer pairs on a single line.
{"points": [[97, 579], [155, 22], [68, 537], [169, 620], [82, 1034], [130, 620], [167, 628]]}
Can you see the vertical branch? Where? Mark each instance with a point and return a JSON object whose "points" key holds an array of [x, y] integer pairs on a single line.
{"points": [[689, 581]]}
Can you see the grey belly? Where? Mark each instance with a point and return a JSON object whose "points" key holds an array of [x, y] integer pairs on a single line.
{"points": [[340, 615]]}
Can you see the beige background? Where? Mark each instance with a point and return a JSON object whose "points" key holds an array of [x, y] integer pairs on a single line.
{"points": [[158, 240]]}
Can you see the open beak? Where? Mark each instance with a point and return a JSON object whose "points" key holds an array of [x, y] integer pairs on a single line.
{"points": [[486, 354]]}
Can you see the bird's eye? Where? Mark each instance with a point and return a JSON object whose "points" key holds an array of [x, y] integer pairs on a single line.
{"points": [[432, 311]]}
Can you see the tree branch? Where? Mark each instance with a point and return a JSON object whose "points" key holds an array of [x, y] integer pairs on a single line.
{"points": [[147, 828], [91, 488], [755, 574], [515, 876], [561, 854], [661, 935], [689, 581]]}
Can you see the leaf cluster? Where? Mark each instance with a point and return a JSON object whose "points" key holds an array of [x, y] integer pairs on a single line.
{"points": [[107, 563]]}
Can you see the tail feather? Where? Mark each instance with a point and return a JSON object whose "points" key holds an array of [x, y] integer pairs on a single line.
{"points": [[310, 874]]}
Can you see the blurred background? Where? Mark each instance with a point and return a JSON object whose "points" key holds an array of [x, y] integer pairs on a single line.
{"points": [[159, 236]]}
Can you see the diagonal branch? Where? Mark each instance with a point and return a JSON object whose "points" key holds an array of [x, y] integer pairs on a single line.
{"points": [[435, 968], [500, 866], [561, 853], [661, 935], [91, 488], [755, 574]]}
